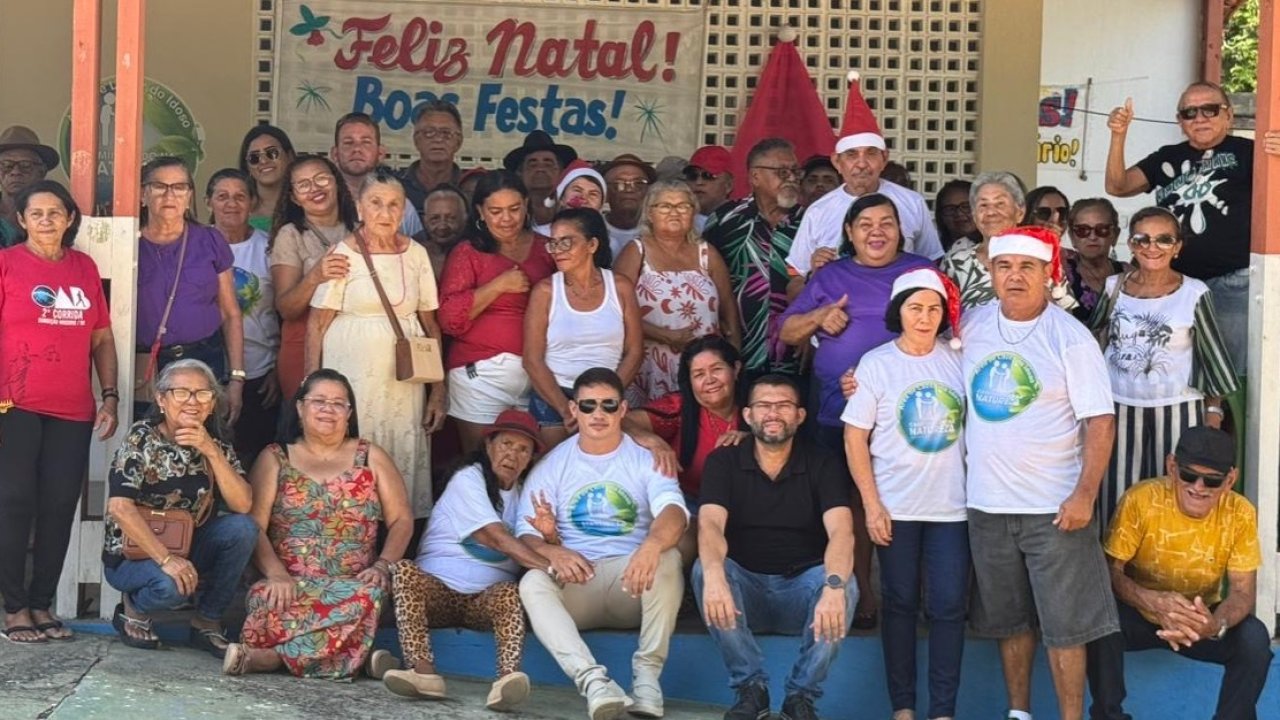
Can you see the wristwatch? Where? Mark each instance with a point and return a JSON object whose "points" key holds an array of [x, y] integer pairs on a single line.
{"points": [[1222, 630], [238, 375], [835, 582]]}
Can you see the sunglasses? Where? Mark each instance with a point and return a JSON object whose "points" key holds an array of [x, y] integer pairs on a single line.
{"points": [[610, 406], [1190, 477], [1208, 110], [1143, 240], [1044, 214], [256, 156], [1102, 231], [693, 174]]}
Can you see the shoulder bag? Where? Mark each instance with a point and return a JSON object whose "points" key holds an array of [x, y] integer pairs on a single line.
{"points": [[1104, 332], [417, 358], [145, 364], [174, 527]]}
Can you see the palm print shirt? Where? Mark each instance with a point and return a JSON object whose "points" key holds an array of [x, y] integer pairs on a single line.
{"points": [[756, 255]]}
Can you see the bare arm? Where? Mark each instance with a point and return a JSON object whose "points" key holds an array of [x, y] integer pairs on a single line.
{"points": [[830, 621], [233, 488], [633, 333], [628, 262], [535, 349], [438, 392], [496, 536], [857, 447], [1120, 180], [102, 348], [232, 322], [395, 504], [713, 548], [1242, 594], [317, 325], [262, 478]]}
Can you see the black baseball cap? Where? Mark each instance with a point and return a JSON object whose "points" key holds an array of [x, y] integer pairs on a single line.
{"points": [[1208, 447]]}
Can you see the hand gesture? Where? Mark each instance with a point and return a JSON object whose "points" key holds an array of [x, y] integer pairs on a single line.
{"points": [[183, 573], [718, 607], [544, 518], [829, 621], [280, 591], [192, 433], [331, 267], [834, 318], [1119, 119], [820, 257], [732, 438], [512, 281]]}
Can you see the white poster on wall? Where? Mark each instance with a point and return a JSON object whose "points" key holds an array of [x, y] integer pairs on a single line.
{"points": [[629, 80]]}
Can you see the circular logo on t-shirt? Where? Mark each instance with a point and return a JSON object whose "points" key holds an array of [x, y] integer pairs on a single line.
{"points": [[1002, 386], [248, 289], [482, 552], [930, 416], [605, 509], [44, 296]]}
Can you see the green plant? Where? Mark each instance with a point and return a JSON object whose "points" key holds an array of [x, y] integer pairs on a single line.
{"points": [[1240, 49]]}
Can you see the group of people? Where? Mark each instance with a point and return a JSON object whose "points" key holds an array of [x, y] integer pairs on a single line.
{"points": [[649, 383]]}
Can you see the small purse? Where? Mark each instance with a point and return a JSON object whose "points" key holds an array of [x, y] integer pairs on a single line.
{"points": [[146, 363], [418, 359], [174, 528]]}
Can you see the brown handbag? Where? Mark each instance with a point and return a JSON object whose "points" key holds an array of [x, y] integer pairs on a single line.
{"points": [[418, 359], [174, 528]]}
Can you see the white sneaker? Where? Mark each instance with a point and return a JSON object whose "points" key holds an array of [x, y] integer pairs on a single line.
{"points": [[646, 691], [605, 700]]}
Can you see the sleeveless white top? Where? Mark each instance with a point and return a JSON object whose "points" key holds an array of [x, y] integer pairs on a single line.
{"points": [[579, 340]]}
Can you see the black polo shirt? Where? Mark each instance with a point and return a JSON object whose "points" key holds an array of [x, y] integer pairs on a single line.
{"points": [[775, 526]]}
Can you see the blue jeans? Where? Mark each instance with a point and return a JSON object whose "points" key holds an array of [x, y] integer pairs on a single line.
{"points": [[943, 549], [775, 604], [220, 549], [1231, 309]]}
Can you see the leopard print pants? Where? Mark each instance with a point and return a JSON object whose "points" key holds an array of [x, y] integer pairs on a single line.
{"points": [[423, 602]]}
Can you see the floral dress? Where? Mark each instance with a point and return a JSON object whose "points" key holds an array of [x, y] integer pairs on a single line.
{"points": [[674, 300], [324, 534]]}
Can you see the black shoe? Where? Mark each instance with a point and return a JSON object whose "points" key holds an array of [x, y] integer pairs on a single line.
{"points": [[753, 703], [798, 707]]}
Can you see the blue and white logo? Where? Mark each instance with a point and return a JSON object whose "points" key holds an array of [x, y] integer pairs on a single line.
{"points": [[930, 416], [1002, 386]]}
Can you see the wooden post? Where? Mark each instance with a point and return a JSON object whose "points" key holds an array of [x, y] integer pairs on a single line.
{"points": [[1215, 21], [130, 39], [1263, 428], [86, 44]]}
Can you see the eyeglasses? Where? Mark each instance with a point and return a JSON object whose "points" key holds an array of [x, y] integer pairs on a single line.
{"points": [[1143, 240], [319, 182], [183, 395], [610, 405], [20, 166], [1045, 214], [764, 407], [783, 173], [1207, 110], [694, 174], [318, 403], [1102, 231], [559, 245], [1189, 476], [957, 210], [178, 188], [683, 208], [625, 185], [255, 156], [436, 133]]}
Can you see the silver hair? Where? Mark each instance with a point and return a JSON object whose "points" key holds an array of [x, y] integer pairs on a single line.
{"points": [[164, 383], [380, 177], [1006, 180], [650, 198]]}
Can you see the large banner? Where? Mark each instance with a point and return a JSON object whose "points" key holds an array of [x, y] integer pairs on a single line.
{"points": [[626, 80]]}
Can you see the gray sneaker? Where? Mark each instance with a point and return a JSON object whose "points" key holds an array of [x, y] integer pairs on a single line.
{"points": [[605, 700]]}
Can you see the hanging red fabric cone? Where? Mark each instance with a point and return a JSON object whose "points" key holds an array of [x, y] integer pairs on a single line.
{"points": [[785, 105]]}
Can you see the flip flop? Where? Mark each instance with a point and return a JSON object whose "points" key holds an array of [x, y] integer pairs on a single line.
{"points": [[54, 624], [119, 620], [212, 641], [6, 632]]}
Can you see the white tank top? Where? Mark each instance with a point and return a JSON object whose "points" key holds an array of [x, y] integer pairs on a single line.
{"points": [[578, 340]]}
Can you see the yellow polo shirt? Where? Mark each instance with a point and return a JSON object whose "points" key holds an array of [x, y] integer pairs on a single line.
{"points": [[1170, 551]]}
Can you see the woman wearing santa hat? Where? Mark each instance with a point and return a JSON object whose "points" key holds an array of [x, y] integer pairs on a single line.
{"points": [[903, 437], [579, 186]]}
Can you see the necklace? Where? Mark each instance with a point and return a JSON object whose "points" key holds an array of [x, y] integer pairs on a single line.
{"points": [[585, 293], [1031, 331]]}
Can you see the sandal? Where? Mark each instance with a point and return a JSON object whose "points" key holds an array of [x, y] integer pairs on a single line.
{"points": [[120, 622], [211, 640], [236, 660], [54, 624], [7, 634]]}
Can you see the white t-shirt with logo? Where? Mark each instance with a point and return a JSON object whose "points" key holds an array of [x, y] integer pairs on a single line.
{"points": [[257, 304], [823, 224], [448, 549], [604, 504], [915, 407], [1030, 385], [1151, 345]]}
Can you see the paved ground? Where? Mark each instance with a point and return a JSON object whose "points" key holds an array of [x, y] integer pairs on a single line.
{"points": [[95, 677]]}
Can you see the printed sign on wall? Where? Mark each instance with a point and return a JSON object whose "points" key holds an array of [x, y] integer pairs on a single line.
{"points": [[622, 81]]}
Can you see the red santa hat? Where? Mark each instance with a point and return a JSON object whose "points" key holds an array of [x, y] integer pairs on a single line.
{"points": [[573, 171], [859, 128], [1033, 241], [928, 278]]}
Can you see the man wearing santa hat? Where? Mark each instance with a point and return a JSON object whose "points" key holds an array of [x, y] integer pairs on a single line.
{"points": [[1038, 437], [579, 186], [860, 157]]}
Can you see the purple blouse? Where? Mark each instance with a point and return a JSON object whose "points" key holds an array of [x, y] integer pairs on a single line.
{"points": [[195, 315]]}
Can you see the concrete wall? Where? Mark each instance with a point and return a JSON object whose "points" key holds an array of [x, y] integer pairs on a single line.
{"points": [[1145, 49], [1009, 85]]}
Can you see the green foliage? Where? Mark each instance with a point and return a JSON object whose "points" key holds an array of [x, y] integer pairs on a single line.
{"points": [[1240, 49]]}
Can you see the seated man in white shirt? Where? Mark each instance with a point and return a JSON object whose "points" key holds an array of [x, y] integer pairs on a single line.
{"points": [[616, 563]]}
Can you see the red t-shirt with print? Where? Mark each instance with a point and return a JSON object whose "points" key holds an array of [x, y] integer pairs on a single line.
{"points": [[664, 417], [48, 312]]}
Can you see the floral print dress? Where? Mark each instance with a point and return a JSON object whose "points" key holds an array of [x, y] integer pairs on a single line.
{"points": [[673, 300], [324, 533]]}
